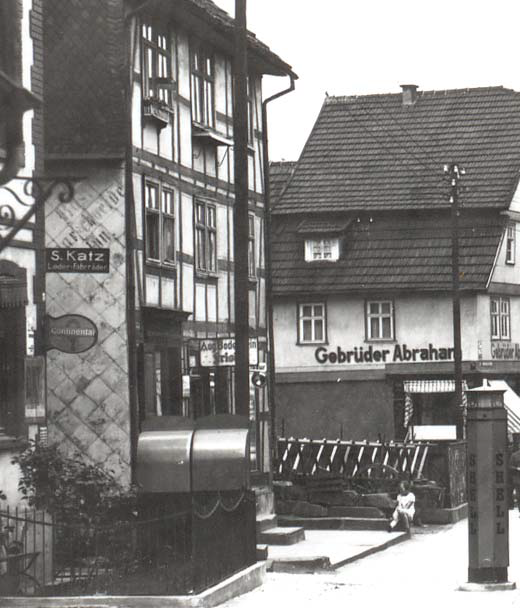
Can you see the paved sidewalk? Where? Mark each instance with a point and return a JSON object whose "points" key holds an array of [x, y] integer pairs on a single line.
{"points": [[424, 571], [336, 547]]}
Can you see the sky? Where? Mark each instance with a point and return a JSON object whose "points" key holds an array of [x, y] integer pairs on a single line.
{"points": [[358, 47]]}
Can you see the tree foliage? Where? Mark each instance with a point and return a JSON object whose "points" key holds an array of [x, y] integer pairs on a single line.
{"points": [[69, 487]]}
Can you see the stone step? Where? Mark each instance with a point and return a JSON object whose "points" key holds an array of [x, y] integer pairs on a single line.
{"points": [[263, 522], [359, 512], [264, 501], [262, 553], [334, 523], [288, 535]]}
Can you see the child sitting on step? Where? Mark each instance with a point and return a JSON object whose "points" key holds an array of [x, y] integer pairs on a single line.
{"points": [[405, 509]]}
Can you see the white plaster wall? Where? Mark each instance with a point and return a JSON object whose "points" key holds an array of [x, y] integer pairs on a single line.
{"points": [[183, 58], [419, 322], [187, 291], [515, 203], [187, 224], [503, 272]]}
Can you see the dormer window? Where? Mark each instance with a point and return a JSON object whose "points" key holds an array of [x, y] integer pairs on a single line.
{"points": [[323, 238], [322, 249]]}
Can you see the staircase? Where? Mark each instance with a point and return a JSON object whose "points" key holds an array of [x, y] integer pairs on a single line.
{"points": [[268, 532]]}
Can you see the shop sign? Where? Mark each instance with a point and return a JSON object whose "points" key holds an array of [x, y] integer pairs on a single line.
{"points": [[400, 353], [87, 260], [70, 333], [220, 352], [505, 351]]}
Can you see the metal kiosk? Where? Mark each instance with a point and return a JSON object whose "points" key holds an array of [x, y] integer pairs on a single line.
{"points": [[201, 468]]}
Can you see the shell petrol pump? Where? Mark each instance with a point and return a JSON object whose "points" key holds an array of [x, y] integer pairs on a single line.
{"points": [[488, 504]]}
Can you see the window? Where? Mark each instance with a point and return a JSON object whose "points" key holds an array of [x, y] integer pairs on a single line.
{"points": [[311, 323], [156, 64], [500, 319], [326, 249], [159, 223], [202, 88], [251, 262], [206, 237], [510, 244], [162, 382], [380, 320]]}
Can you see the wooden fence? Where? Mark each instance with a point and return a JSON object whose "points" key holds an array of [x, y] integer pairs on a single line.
{"points": [[442, 462]]}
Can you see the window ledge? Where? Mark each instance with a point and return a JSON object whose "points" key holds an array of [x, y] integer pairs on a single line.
{"points": [[381, 341], [156, 112], [326, 343], [204, 274], [322, 261], [209, 135]]}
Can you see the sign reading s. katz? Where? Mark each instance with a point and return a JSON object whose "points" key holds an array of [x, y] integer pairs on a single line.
{"points": [[399, 353]]}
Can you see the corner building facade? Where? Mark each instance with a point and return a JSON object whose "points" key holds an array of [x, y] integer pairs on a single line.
{"points": [[149, 132]]}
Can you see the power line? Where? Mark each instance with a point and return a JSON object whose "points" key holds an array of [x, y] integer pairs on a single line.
{"points": [[418, 159]]}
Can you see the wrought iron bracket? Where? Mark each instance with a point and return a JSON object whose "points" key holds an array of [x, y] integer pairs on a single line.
{"points": [[38, 190]]}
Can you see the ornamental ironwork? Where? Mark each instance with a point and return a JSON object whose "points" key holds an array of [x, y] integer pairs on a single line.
{"points": [[15, 214]]}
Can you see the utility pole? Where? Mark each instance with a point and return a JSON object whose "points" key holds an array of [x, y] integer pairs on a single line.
{"points": [[454, 171], [240, 212]]}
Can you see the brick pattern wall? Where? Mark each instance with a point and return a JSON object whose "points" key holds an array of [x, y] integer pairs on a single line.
{"points": [[87, 393]]}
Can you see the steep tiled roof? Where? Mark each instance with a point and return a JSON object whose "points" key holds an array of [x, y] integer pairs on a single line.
{"points": [[395, 252], [323, 225], [373, 152], [279, 174], [221, 18]]}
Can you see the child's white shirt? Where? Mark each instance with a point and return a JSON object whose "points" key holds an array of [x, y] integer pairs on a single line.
{"points": [[406, 503]]}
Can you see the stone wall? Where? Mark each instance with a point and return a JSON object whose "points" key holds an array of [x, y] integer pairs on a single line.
{"points": [[87, 393]]}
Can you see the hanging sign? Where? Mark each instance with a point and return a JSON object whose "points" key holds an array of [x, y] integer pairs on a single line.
{"points": [[82, 260], [220, 352], [70, 333]]}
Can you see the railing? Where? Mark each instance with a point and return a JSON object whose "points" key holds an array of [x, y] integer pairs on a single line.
{"points": [[164, 551]]}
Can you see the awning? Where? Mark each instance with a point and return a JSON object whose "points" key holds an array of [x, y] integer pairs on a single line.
{"points": [[511, 403], [428, 386], [432, 386]]}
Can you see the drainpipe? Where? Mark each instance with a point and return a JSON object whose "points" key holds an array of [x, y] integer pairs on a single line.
{"points": [[130, 238], [268, 279]]}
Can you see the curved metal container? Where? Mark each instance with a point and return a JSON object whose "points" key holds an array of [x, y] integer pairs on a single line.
{"points": [[220, 459], [163, 460]]}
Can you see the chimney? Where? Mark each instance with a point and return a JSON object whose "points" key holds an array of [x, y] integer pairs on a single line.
{"points": [[409, 94]]}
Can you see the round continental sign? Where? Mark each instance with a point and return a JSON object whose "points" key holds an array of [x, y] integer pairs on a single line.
{"points": [[71, 333]]}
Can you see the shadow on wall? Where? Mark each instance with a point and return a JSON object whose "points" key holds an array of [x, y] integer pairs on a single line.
{"points": [[334, 410]]}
